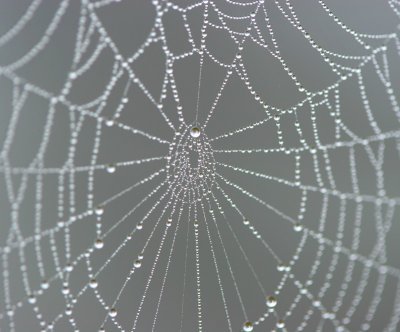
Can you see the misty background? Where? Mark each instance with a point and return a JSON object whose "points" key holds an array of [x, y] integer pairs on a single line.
{"points": [[128, 24]]}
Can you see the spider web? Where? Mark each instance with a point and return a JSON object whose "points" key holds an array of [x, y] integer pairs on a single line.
{"points": [[234, 169]]}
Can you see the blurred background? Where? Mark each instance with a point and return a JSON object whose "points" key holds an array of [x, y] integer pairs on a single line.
{"points": [[79, 78]]}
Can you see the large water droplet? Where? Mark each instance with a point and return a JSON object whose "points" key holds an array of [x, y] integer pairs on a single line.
{"points": [[110, 168], [99, 244], [248, 327], [195, 132], [271, 301], [93, 283], [113, 312]]}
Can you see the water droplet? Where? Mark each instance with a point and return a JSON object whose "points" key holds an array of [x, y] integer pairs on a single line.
{"points": [[32, 299], [138, 263], [298, 227], [316, 303], [110, 168], [113, 312], [65, 290], [195, 132], [68, 311], [99, 210], [99, 244], [69, 267], [93, 283], [326, 315], [281, 267], [44, 284], [248, 327], [109, 123], [280, 324], [271, 301]]}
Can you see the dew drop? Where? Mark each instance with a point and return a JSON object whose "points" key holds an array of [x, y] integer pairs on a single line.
{"points": [[326, 315], [316, 303], [109, 123], [44, 284], [248, 327], [271, 301], [68, 311], [93, 283], [65, 290], [281, 267], [69, 267], [138, 263], [113, 312], [99, 210], [99, 244], [298, 227], [195, 132], [32, 299], [110, 168], [280, 324]]}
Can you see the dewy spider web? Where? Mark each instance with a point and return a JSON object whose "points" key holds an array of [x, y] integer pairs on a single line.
{"points": [[252, 200]]}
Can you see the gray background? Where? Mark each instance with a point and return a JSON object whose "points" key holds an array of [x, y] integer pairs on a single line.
{"points": [[128, 24]]}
